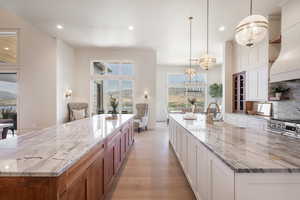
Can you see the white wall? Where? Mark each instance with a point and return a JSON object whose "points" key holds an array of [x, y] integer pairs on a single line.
{"points": [[65, 78], [145, 72], [227, 76], [213, 75], [37, 73]]}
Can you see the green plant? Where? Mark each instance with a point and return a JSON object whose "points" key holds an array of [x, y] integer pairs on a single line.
{"points": [[216, 90], [280, 89], [7, 113], [114, 104]]}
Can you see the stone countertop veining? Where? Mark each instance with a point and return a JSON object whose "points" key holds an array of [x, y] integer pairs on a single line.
{"points": [[246, 150], [51, 151]]}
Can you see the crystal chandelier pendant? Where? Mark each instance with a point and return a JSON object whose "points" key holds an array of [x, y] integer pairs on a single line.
{"points": [[251, 30], [207, 60], [190, 72]]}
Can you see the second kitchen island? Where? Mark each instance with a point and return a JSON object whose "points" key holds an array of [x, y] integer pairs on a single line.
{"points": [[224, 162], [75, 161]]}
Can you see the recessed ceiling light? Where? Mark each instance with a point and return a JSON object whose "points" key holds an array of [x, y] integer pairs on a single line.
{"points": [[131, 28], [222, 28], [6, 48], [58, 26]]}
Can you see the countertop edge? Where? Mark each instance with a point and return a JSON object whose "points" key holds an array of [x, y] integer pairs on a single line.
{"points": [[242, 170], [63, 170]]}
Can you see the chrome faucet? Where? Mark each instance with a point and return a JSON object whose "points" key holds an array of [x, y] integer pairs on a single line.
{"points": [[210, 116]]}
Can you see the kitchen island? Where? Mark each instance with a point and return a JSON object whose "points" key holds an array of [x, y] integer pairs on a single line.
{"points": [[225, 162], [74, 161]]}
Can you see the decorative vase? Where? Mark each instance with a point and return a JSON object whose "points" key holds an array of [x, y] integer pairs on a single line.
{"points": [[114, 112], [278, 95], [193, 108]]}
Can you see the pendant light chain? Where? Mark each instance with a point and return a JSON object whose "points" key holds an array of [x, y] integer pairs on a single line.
{"points": [[190, 18], [251, 7], [207, 26]]}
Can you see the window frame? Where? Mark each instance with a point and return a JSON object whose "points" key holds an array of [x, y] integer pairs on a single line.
{"points": [[94, 77], [177, 73], [18, 98]]}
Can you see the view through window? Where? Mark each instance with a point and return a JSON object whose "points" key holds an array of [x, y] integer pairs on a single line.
{"points": [[177, 92], [8, 98], [112, 79]]}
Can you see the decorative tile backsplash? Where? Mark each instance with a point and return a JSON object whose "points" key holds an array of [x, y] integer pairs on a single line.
{"points": [[288, 109]]}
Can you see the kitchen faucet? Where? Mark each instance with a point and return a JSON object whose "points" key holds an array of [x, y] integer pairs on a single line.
{"points": [[210, 115]]}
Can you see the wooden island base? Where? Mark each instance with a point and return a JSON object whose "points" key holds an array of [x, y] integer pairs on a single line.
{"points": [[90, 178]]}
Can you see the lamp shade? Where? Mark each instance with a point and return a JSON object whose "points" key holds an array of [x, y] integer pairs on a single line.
{"points": [[190, 72], [251, 30], [206, 60]]}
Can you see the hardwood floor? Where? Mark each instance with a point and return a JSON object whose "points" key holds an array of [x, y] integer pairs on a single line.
{"points": [[152, 170]]}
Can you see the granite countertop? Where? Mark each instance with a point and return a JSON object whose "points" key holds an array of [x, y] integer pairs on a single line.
{"points": [[250, 116], [246, 150], [51, 151]]}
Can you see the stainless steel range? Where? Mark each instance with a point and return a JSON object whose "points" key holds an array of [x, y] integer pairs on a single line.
{"points": [[285, 127]]}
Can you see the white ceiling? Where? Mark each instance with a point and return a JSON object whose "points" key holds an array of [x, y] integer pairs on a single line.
{"points": [[161, 25]]}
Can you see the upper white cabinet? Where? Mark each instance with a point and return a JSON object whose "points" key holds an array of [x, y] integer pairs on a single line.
{"points": [[255, 61], [257, 84]]}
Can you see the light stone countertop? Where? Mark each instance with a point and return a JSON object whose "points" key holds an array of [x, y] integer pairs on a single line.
{"points": [[245, 150], [51, 151]]}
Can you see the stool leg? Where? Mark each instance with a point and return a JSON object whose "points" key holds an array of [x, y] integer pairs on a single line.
{"points": [[4, 133]]}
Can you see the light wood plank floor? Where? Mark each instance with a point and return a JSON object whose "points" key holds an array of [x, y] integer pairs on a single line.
{"points": [[152, 170]]}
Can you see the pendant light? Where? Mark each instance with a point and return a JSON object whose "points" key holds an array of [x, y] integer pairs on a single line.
{"points": [[207, 60], [190, 72], [251, 30]]}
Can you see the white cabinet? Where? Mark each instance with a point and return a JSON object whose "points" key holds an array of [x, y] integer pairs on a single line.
{"points": [[192, 162], [257, 84], [222, 181], [209, 177], [203, 174], [255, 61]]}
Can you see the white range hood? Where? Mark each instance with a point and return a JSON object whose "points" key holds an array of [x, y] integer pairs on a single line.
{"points": [[287, 65]]}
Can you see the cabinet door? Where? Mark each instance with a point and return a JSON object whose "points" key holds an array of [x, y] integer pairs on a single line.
{"points": [[96, 179], [203, 173], [252, 84], [178, 142], [263, 84], [184, 150], [257, 84], [222, 180], [117, 153], [192, 161], [78, 189], [123, 146], [109, 165]]}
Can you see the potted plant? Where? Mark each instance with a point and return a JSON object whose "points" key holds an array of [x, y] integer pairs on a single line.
{"points": [[216, 91], [192, 101], [279, 91], [114, 104]]}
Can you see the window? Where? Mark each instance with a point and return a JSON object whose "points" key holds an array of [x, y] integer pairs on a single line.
{"points": [[113, 68], [112, 79], [8, 97], [178, 92], [8, 47]]}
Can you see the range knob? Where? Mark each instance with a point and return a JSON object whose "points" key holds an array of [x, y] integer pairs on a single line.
{"points": [[279, 126]]}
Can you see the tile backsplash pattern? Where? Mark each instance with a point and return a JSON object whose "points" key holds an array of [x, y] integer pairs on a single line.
{"points": [[288, 109]]}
